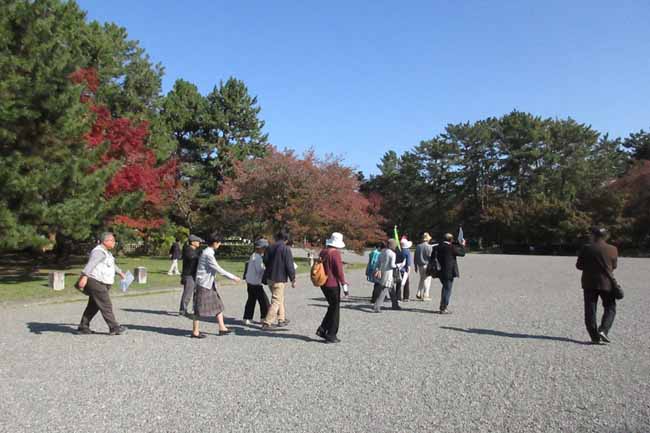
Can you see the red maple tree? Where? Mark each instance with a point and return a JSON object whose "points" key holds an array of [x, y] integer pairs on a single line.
{"points": [[125, 142], [310, 197]]}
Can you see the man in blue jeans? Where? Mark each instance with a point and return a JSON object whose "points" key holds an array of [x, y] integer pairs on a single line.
{"points": [[447, 252]]}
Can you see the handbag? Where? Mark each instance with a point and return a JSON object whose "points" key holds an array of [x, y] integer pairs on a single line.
{"points": [[78, 287], [617, 290]]}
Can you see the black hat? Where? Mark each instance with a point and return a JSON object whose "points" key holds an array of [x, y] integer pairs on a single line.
{"points": [[214, 237], [195, 238], [598, 232]]}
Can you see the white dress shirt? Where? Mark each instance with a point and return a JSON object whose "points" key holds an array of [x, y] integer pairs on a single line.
{"points": [[208, 268]]}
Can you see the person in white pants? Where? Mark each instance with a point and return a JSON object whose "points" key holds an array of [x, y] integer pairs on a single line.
{"points": [[422, 256]]}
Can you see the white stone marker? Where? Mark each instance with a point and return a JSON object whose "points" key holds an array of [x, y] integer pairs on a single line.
{"points": [[56, 280], [140, 274]]}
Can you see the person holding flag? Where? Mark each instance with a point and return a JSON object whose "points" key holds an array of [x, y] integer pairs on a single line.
{"points": [[446, 252]]}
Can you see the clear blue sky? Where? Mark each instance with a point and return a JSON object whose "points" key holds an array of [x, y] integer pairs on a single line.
{"points": [[358, 78]]}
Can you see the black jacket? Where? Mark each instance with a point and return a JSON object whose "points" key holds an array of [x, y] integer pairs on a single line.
{"points": [[447, 254], [175, 251], [190, 261], [278, 261]]}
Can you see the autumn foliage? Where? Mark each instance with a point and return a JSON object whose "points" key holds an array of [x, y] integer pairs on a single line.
{"points": [[309, 197], [125, 142]]}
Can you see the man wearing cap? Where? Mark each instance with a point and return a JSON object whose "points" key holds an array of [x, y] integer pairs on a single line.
{"points": [[253, 275], [597, 261], [191, 255], [422, 255]]}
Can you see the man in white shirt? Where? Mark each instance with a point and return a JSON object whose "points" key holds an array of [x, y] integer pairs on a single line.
{"points": [[96, 280]]}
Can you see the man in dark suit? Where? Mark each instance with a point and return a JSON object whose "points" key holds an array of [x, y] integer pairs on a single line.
{"points": [[446, 252], [597, 260]]}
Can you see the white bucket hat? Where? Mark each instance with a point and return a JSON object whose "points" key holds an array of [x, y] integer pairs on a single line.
{"points": [[336, 240], [405, 243]]}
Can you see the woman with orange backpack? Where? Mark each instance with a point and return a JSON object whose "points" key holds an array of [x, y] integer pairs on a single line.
{"points": [[330, 257]]}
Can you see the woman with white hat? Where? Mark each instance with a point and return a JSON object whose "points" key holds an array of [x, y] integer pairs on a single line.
{"points": [[330, 256]]}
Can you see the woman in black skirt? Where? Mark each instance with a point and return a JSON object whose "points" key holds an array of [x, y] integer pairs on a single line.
{"points": [[207, 302]]}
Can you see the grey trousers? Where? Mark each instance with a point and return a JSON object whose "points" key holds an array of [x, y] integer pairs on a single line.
{"points": [[188, 291], [381, 295]]}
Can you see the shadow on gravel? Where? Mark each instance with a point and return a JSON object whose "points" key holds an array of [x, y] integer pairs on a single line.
{"points": [[492, 332], [368, 308], [159, 312], [40, 328], [174, 332]]}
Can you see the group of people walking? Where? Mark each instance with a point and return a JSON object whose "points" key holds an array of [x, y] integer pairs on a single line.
{"points": [[388, 269]]}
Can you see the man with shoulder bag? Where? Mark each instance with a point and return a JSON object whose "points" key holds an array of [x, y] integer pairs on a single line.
{"points": [[597, 261]]}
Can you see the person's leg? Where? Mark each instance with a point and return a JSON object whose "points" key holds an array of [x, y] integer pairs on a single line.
{"points": [[406, 286], [381, 295], [336, 313], [394, 296], [195, 328], [376, 290], [263, 301], [421, 275], [188, 291], [445, 295], [88, 314], [427, 287], [591, 304], [272, 314], [282, 315], [222, 326], [249, 308], [103, 301], [171, 269], [609, 305], [327, 319]]}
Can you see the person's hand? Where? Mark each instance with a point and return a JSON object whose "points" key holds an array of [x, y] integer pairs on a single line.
{"points": [[83, 281], [122, 276], [464, 242], [236, 279]]}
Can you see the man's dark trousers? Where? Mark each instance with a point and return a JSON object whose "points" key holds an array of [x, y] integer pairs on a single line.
{"points": [[256, 294], [445, 294], [188, 292], [591, 305], [98, 300]]}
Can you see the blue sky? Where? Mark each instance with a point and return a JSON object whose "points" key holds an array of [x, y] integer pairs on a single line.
{"points": [[359, 78]]}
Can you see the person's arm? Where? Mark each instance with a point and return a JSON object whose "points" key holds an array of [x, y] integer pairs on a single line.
{"points": [[221, 271], [580, 263], [96, 257], [290, 268], [615, 259], [119, 271], [337, 269]]}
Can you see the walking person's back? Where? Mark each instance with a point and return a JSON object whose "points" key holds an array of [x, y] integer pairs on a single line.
{"points": [[279, 270], [597, 261]]}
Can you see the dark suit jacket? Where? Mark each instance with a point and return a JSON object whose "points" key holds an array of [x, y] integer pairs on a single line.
{"points": [[591, 260], [447, 254], [279, 264]]}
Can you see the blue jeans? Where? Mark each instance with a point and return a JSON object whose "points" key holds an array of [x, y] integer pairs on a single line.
{"points": [[445, 295]]}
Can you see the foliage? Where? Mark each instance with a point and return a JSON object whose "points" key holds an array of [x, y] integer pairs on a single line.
{"points": [[309, 197], [518, 178]]}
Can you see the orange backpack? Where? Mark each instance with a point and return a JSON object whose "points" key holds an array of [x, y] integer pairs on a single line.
{"points": [[318, 275]]}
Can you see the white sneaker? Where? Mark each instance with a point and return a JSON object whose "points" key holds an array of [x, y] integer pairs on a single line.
{"points": [[247, 322]]}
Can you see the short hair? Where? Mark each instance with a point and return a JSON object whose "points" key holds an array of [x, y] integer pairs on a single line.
{"points": [[598, 232], [107, 235], [392, 243], [282, 235], [381, 245], [215, 237], [448, 237]]}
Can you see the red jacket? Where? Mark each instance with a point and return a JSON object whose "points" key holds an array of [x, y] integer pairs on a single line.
{"points": [[333, 265]]}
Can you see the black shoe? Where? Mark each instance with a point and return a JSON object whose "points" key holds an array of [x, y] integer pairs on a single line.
{"points": [[397, 307], [84, 331], [603, 337], [182, 312], [201, 335], [118, 331], [321, 332], [597, 342], [229, 331], [332, 340]]}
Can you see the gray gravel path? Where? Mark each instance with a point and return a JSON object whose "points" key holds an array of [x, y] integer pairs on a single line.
{"points": [[511, 358]]}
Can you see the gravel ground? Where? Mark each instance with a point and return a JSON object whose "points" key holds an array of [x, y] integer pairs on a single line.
{"points": [[511, 358]]}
